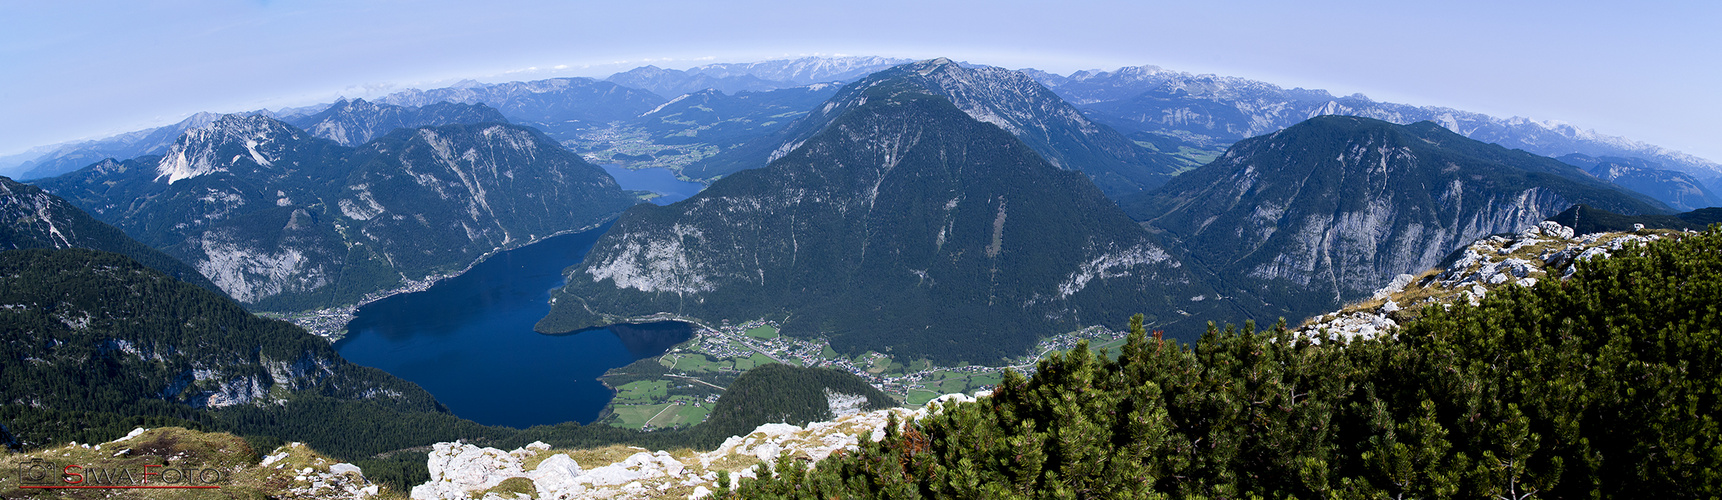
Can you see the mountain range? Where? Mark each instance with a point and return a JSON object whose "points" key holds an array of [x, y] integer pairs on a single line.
{"points": [[1221, 109], [152, 141], [1188, 118], [285, 221], [902, 225], [1007, 99], [354, 122], [762, 76]]}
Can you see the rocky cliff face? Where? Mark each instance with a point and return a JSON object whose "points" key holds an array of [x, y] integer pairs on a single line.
{"points": [[1007, 99], [284, 221], [905, 225], [1327, 211]]}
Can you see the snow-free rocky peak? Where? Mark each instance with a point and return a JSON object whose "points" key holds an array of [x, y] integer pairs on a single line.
{"points": [[1544, 252], [225, 144]]}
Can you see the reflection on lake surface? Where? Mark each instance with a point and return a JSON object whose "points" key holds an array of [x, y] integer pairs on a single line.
{"points": [[469, 340]]}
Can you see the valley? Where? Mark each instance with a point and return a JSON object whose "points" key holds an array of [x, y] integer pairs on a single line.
{"points": [[766, 263], [678, 387]]}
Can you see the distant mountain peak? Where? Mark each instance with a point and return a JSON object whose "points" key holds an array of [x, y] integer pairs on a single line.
{"points": [[202, 150]]}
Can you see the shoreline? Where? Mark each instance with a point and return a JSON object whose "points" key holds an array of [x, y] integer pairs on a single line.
{"points": [[330, 323]]}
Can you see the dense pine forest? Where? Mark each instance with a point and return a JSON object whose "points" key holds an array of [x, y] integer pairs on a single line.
{"points": [[1603, 385]]}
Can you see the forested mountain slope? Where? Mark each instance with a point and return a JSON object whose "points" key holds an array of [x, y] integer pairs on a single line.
{"points": [[904, 226], [1601, 385], [32, 218], [1014, 102]]}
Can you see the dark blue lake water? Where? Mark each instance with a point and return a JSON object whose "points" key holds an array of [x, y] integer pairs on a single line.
{"points": [[469, 340], [657, 180]]}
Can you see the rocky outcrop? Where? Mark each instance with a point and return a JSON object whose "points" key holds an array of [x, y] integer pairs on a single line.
{"points": [[461, 471], [1543, 252]]}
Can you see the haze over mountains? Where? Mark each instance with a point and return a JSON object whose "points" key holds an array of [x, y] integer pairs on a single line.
{"points": [[756, 77], [1166, 123], [1220, 109]]}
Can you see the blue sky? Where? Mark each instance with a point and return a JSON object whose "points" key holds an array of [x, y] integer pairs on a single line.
{"points": [[79, 70]]}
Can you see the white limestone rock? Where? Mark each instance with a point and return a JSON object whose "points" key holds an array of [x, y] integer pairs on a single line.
{"points": [[457, 469]]}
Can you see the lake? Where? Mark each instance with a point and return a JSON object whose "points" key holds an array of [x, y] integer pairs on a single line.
{"points": [[657, 180], [469, 340]]}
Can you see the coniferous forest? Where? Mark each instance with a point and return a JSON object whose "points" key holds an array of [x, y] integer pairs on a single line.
{"points": [[1603, 385]]}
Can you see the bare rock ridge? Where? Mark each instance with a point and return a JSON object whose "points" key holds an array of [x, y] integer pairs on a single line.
{"points": [[1327, 211], [1547, 251], [285, 221], [1008, 99], [461, 471], [963, 242]]}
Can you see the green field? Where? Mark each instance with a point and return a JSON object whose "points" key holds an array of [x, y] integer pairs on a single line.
{"points": [[766, 332], [634, 416], [755, 360], [642, 391], [984, 379], [696, 362], [658, 415], [1109, 349], [919, 397], [680, 415]]}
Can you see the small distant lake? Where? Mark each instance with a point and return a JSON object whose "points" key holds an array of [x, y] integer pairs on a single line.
{"points": [[657, 180]]}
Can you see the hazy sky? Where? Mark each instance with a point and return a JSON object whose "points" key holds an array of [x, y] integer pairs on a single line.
{"points": [[1650, 71]]}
